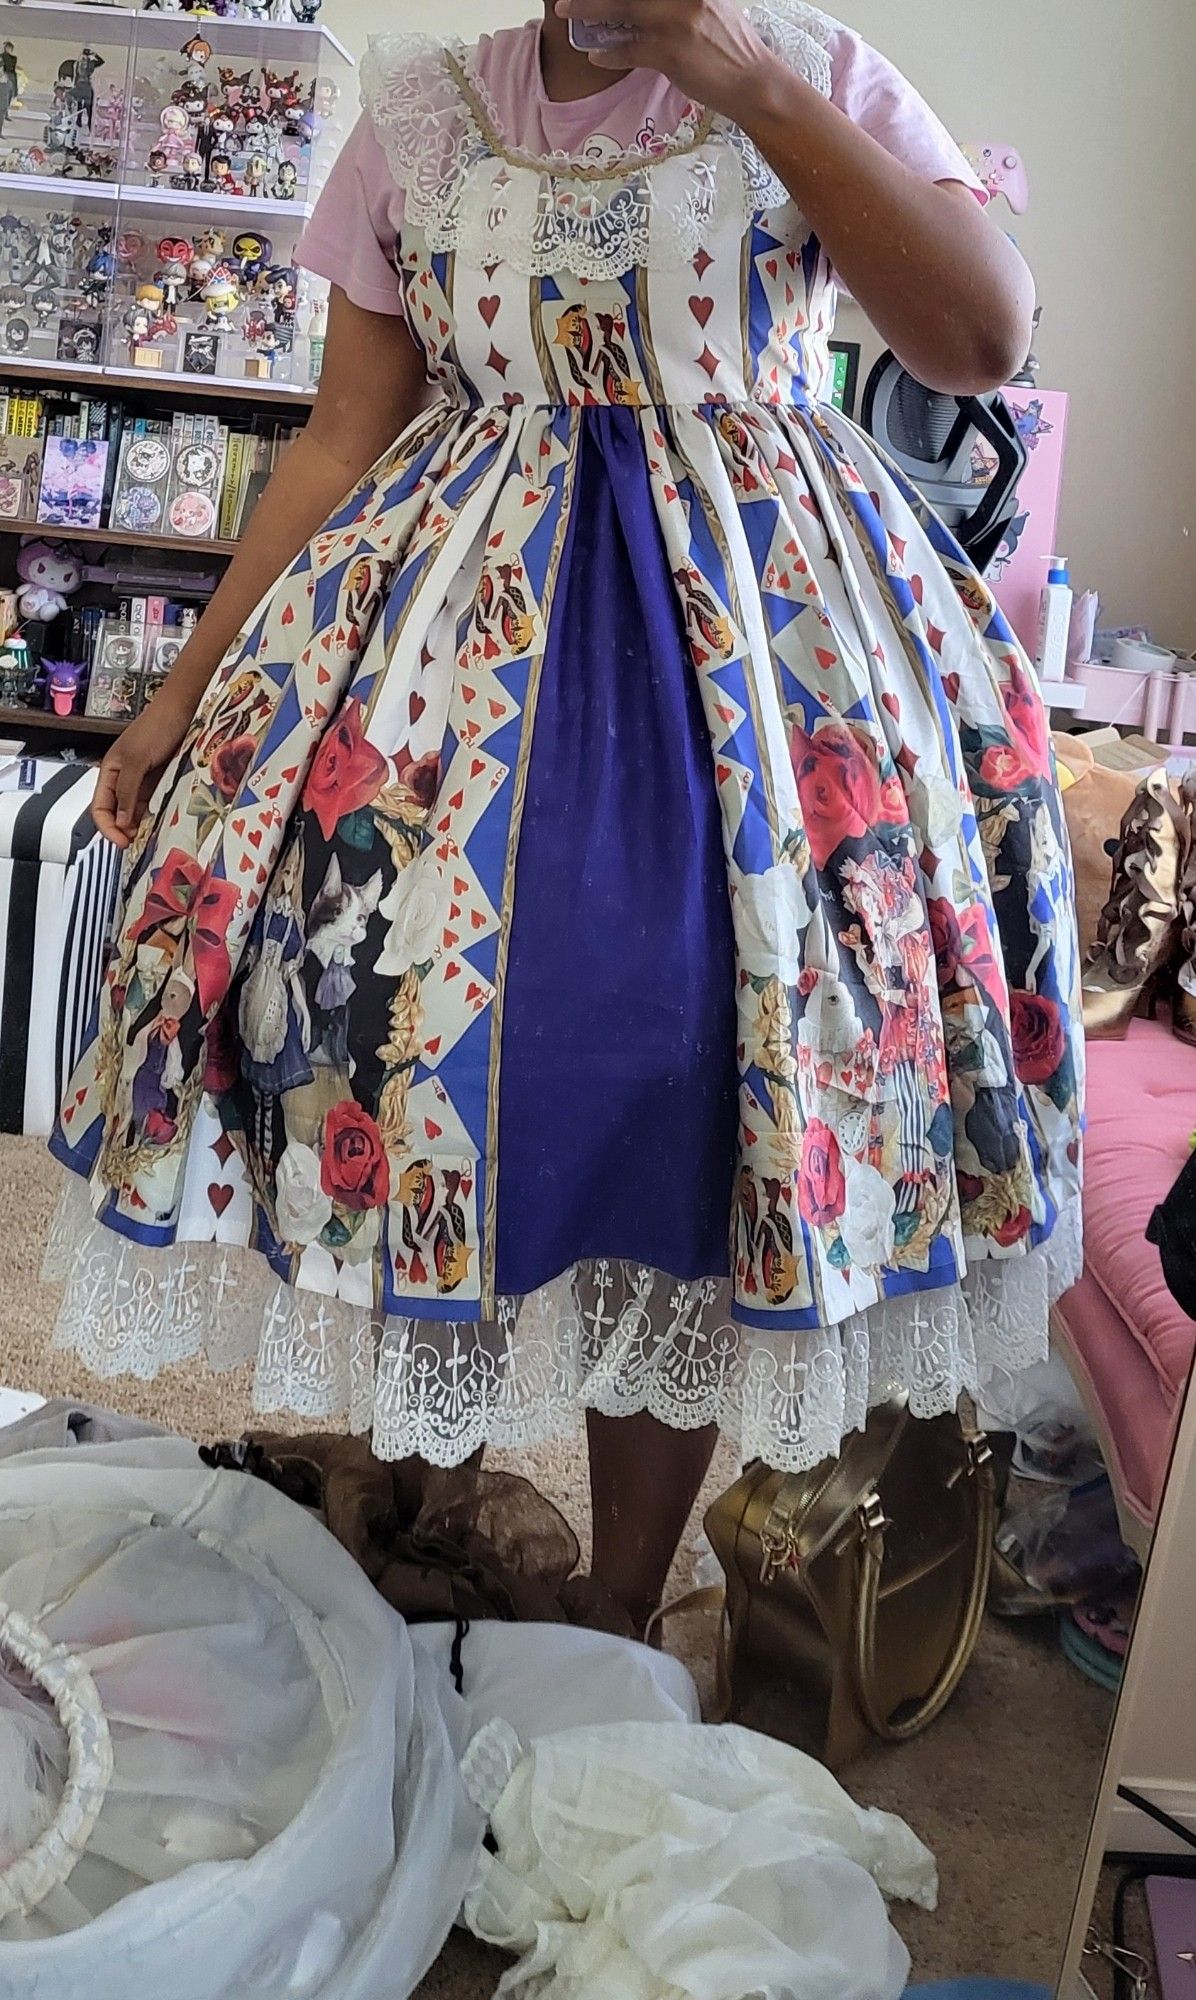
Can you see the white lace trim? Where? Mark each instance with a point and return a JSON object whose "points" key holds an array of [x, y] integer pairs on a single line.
{"points": [[537, 214], [615, 1338], [26, 1882]]}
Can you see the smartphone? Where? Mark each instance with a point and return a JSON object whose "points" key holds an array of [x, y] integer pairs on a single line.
{"points": [[586, 35]]}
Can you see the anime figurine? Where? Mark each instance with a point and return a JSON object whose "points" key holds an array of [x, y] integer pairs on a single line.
{"points": [[174, 273], [158, 166], [221, 179], [222, 297], [282, 92], [62, 127], [10, 81], [15, 334], [78, 72], [256, 173], [215, 134], [305, 11], [49, 574], [253, 254], [190, 176], [63, 681], [282, 290], [232, 85], [286, 181]]}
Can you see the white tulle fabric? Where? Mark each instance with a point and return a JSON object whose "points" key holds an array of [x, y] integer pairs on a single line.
{"points": [[660, 1861], [252, 1781], [616, 1338], [473, 195]]}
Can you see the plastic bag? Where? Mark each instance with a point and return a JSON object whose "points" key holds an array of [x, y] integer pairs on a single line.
{"points": [[252, 1781]]}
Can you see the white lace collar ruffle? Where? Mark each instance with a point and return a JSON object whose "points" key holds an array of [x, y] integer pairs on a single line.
{"points": [[473, 194]]}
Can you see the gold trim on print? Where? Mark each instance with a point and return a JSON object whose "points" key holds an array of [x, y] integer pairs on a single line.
{"points": [[735, 605], [489, 1242], [647, 353], [751, 365], [575, 170], [535, 300]]}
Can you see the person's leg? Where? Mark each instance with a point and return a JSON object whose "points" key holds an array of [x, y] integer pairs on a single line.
{"points": [[644, 1480]]}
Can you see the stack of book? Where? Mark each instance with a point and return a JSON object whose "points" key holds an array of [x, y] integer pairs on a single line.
{"points": [[69, 460]]}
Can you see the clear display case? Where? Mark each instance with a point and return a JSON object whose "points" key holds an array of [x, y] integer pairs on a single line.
{"points": [[156, 171]]}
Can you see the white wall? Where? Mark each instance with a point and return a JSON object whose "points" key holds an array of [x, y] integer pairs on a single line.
{"points": [[1096, 94]]}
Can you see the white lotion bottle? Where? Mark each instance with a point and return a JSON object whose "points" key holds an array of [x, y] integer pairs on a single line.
{"points": [[1054, 624]]}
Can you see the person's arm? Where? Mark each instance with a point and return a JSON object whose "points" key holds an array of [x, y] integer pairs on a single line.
{"points": [[373, 384], [940, 282]]}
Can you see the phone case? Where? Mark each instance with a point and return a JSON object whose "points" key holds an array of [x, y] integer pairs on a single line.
{"points": [[595, 34]]}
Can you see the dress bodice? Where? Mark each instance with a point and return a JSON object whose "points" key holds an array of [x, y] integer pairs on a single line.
{"points": [[678, 272]]}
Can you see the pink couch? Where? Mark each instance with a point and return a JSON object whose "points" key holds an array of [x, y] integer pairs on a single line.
{"points": [[1128, 1343]]}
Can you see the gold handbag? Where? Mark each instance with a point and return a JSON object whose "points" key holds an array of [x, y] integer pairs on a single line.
{"points": [[856, 1592]]}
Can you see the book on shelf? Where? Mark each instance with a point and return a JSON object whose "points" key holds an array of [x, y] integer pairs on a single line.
{"points": [[74, 474], [20, 476], [186, 476]]}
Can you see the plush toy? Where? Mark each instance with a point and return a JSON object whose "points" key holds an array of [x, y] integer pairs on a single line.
{"points": [[50, 572]]}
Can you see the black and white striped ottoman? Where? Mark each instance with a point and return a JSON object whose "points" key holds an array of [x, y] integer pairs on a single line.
{"points": [[58, 883]]}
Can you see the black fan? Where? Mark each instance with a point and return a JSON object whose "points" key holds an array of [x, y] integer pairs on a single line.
{"points": [[946, 445]]}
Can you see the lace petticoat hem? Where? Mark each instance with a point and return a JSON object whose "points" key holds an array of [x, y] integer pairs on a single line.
{"points": [[619, 1339]]}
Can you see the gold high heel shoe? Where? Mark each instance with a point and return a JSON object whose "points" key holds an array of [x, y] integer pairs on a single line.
{"points": [[1140, 922]]}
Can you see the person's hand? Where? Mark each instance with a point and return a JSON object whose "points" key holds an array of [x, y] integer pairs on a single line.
{"points": [[709, 48], [130, 772]]}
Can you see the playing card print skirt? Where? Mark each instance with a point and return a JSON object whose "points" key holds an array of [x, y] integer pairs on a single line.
{"points": [[556, 975]]}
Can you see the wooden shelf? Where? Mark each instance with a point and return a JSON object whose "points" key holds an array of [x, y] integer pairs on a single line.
{"points": [[40, 722], [217, 388], [118, 538]]}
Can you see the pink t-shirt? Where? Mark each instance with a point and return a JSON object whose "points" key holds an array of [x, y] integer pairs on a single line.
{"points": [[352, 236]]}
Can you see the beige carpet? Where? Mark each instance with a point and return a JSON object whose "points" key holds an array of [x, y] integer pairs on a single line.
{"points": [[1001, 1788]]}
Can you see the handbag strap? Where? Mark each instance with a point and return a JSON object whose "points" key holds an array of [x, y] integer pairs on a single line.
{"points": [[825, 1512], [980, 1472]]}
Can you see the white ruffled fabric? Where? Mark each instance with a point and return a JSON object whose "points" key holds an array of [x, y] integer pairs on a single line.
{"points": [[668, 1863], [431, 112], [613, 1338]]}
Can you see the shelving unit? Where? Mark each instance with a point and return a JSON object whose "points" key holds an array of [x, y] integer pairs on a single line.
{"points": [[44, 176], [208, 387]]}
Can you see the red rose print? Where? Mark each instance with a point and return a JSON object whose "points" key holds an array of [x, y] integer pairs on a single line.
{"points": [[215, 907], [346, 773], [894, 809], [1004, 768], [837, 784], [1028, 723], [355, 1171], [230, 765], [946, 938], [419, 777], [1011, 1232], [1039, 1040], [171, 894], [822, 1190]]}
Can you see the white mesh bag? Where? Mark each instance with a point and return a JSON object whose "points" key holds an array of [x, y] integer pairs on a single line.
{"points": [[223, 1770]]}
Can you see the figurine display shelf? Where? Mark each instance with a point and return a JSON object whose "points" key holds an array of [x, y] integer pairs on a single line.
{"points": [[138, 151]]}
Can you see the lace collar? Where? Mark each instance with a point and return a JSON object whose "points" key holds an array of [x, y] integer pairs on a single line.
{"points": [[473, 193]]}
